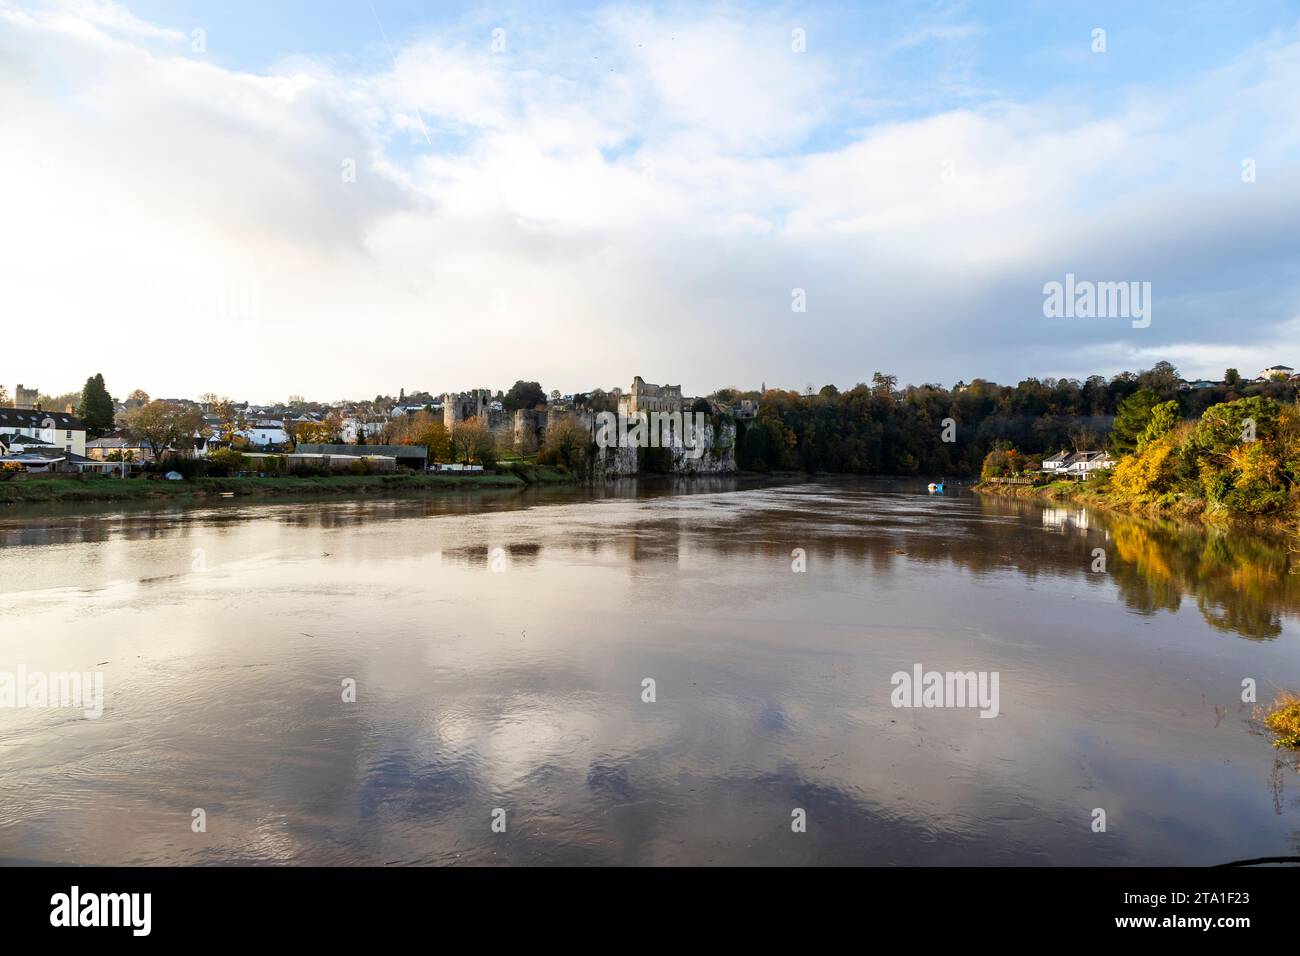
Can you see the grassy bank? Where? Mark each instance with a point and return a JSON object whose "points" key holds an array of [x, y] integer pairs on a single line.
{"points": [[532, 474], [106, 488], [1239, 464], [1101, 494]]}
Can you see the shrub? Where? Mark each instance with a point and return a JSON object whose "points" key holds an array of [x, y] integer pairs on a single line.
{"points": [[1002, 462], [1150, 472], [225, 462], [1283, 719]]}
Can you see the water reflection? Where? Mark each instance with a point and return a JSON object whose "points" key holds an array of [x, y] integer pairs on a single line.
{"points": [[516, 683]]}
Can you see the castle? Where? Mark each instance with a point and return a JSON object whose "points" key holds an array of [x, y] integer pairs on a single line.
{"points": [[522, 430], [645, 397], [26, 397], [525, 429]]}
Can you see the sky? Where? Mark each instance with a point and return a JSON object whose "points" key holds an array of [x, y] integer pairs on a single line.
{"points": [[344, 198]]}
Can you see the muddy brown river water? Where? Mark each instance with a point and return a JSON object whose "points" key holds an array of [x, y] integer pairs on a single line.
{"points": [[501, 647]]}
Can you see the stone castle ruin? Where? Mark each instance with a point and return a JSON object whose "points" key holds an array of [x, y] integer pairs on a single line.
{"points": [[674, 449]]}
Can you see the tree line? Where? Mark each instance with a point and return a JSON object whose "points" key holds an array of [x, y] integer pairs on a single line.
{"points": [[880, 428]]}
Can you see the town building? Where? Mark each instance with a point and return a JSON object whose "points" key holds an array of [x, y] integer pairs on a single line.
{"points": [[62, 430], [26, 398], [117, 447], [355, 429], [1079, 464]]}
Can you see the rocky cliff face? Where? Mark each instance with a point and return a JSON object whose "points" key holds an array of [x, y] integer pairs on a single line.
{"points": [[718, 457]]}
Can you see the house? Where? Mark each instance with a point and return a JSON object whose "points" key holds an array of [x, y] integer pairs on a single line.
{"points": [[60, 429], [1083, 464], [1276, 371], [399, 410], [264, 432], [117, 447], [33, 462], [408, 456], [38, 462], [1055, 463], [354, 428], [205, 445], [13, 443]]}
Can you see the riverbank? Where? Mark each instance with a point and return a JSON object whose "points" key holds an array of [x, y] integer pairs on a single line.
{"points": [[109, 488], [1098, 494]]}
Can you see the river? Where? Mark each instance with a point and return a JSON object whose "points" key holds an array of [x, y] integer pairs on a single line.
{"points": [[642, 677]]}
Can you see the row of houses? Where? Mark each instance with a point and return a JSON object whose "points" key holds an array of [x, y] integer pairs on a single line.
{"points": [[41, 441], [1077, 464]]}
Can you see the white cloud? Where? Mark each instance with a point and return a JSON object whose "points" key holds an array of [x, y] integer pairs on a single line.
{"points": [[579, 222]]}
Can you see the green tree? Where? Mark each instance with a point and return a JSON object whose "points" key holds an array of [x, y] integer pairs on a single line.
{"points": [[1131, 420], [569, 444], [523, 395], [96, 407], [1164, 419], [163, 426]]}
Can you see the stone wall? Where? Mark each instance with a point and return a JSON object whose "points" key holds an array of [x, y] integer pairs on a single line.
{"points": [[717, 458]]}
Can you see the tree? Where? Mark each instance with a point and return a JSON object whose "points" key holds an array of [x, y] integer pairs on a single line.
{"points": [[96, 407], [313, 433], [429, 431], [523, 395], [1002, 462], [472, 442], [1131, 420], [882, 386], [139, 397], [232, 419], [1162, 378], [1232, 378], [569, 444], [162, 426], [1164, 419]]}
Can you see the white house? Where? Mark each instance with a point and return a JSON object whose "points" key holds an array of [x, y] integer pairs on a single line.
{"points": [[265, 432], [399, 410], [1079, 464], [1056, 462], [1276, 371], [353, 428], [61, 429], [1084, 463]]}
